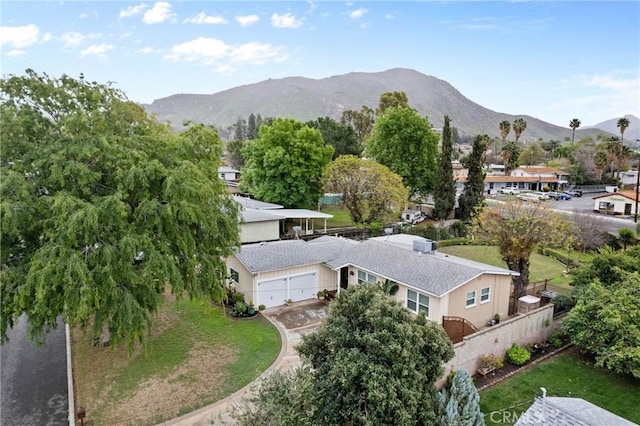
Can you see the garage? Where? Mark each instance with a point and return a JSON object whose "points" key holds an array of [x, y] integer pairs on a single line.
{"points": [[276, 292]]}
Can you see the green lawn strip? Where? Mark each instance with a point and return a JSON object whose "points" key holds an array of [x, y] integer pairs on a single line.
{"points": [[341, 217], [542, 267], [255, 341], [566, 375]]}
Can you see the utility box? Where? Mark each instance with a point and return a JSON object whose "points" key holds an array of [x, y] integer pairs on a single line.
{"points": [[527, 304]]}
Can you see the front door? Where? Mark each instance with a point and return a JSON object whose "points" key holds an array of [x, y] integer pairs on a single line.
{"points": [[627, 209], [344, 277]]}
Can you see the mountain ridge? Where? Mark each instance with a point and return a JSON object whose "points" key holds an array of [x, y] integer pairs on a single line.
{"points": [[307, 99]]}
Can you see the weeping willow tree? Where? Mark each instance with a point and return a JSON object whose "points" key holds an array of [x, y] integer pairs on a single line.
{"points": [[103, 209]]}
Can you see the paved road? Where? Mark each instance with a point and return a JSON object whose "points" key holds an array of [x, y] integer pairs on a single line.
{"points": [[34, 379]]}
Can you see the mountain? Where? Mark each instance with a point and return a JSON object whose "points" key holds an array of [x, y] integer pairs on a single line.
{"points": [[631, 134], [307, 99]]}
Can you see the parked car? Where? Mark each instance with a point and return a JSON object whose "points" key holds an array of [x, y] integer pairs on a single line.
{"points": [[559, 195], [575, 193], [509, 190], [542, 196], [528, 197]]}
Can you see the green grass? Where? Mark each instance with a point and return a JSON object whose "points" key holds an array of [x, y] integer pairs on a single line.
{"points": [[566, 375], [341, 217], [240, 349], [542, 267]]}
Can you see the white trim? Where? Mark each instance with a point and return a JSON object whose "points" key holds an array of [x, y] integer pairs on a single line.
{"points": [[466, 300], [488, 295]]}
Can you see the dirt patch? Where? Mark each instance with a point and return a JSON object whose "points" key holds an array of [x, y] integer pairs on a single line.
{"points": [[186, 386]]}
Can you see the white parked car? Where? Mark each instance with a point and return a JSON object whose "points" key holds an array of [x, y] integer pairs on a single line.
{"points": [[529, 197], [541, 195], [509, 190]]}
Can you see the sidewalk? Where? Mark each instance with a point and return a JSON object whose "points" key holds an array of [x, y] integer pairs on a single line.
{"points": [[287, 359]]}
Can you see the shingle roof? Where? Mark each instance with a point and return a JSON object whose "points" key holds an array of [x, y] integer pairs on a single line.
{"points": [[554, 411], [276, 255], [436, 274], [250, 203], [433, 273], [627, 194]]}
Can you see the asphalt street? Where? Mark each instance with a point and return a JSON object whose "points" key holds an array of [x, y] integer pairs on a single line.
{"points": [[34, 378]]}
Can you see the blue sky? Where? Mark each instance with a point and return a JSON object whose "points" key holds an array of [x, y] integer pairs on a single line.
{"points": [[551, 60]]}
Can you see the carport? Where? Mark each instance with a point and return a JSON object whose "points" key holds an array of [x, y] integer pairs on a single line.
{"points": [[303, 216]]}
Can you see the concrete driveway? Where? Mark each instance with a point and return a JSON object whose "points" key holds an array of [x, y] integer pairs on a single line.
{"points": [[292, 322]]}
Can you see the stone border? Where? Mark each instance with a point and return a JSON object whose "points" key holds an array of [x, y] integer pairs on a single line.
{"points": [[525, 367]]}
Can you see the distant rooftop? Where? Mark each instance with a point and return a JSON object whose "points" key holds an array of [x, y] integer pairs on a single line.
{"points": [[555, 411], [250, 203]]}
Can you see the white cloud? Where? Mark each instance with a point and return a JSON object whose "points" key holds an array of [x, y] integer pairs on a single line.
{"points": [[147, 50], [46, 37], [74, 39], [349, 3], [160, 12], [132, 10], [247, 20], [388, 16], [203, 18], [358, 13], [256, 53], [212, 51], [16, 52], [204, 49], [609, 82], [285, 21], [97, 50], [19, 37]]}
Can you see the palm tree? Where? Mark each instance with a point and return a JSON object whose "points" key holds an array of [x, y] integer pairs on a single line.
{"points": [[623, 123], [510, 156], [574, 124], [519, 126], [613, 150], [505, 128]]}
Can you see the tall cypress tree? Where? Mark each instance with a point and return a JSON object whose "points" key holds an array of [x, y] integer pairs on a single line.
{"points": [[445, 192], [472, 196]]}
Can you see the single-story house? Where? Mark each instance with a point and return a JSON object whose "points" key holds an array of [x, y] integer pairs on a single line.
{"points": [[427, 281], [617, 203], [556, 411], [528, 178], [262, 221], [227, 173]]}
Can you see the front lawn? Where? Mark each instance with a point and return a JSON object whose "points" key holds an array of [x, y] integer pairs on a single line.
{"points": [[196, 355], [341, 217], [542, 267], [566, 375]]}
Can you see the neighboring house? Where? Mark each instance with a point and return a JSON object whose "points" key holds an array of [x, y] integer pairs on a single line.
{"points": [[228, 173], [556, 411], [437, 284], [618, 203], [629, 178], [527, 178], [263, 221]]}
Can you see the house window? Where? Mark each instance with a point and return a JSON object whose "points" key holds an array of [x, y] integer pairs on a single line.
{"points": [[222, 175], [484, 294], [471, 298], [417, 302], [235, 276], [364, 277]]}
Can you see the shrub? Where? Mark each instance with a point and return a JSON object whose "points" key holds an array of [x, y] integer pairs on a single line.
{"points": [[452, 242], [517, 355], [491, 361], [262, 307], [555, 338], [563, 303], [238, 298]]}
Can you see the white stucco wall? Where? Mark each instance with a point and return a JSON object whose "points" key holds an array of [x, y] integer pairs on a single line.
{"points": [[255, 232]]}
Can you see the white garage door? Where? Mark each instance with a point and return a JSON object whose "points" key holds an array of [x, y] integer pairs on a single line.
{"points": [[272, 292], [277, 291], [303, 287]]}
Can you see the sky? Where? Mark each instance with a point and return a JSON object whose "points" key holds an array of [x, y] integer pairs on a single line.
{"points": [[551, 60]]}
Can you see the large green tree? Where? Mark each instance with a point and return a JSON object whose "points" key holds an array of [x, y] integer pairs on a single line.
{"points": [[285, 163], [444, 194], [370, 191], [361, 121], [392, 100], [342, 137], [473, 193], [517, 228], [371, 362], [606, 323], [407, 144], [102, 209]]}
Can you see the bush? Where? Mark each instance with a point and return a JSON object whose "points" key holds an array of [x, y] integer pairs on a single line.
{"points": [[562, 303], [491, 361], [453, 242], [560, 257], [517, 355], [238, 298], [555, 338]]}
